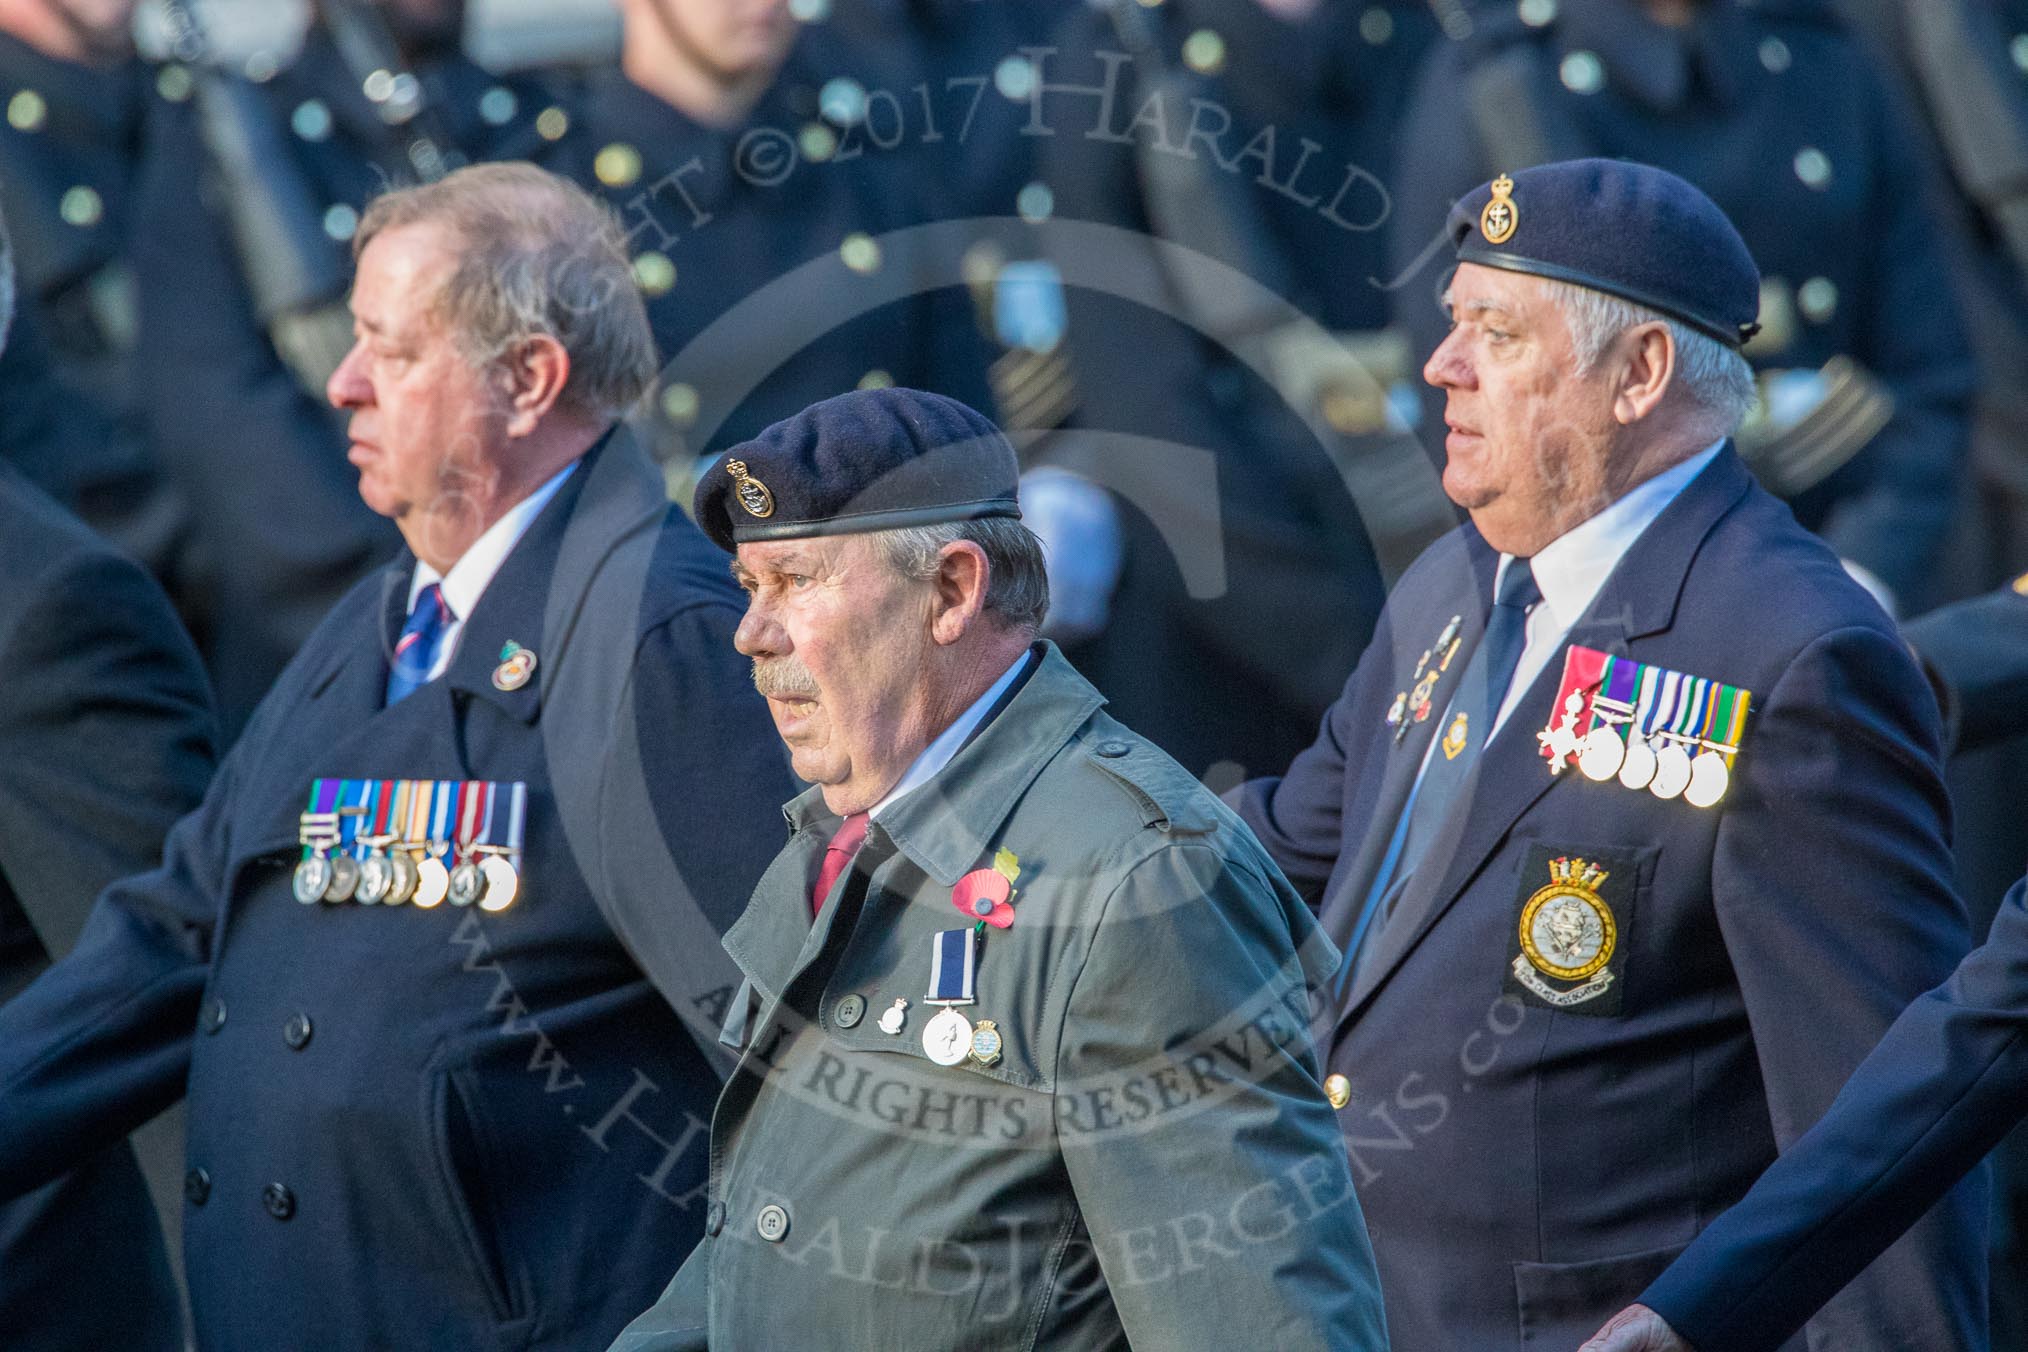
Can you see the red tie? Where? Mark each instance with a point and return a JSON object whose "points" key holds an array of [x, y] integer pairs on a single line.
{"points": [[838, 854]]}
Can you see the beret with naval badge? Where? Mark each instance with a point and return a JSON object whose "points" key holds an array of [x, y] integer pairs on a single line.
{"points": [[1630, 230], [865, 461]]}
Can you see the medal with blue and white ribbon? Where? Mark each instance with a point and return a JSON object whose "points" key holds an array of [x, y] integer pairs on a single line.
{"points": [[954, 961]]}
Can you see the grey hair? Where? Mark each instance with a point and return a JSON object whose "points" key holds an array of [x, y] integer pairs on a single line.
{"points": [[1714, 376], [536, 255], [6, 284], [1017, 585]]}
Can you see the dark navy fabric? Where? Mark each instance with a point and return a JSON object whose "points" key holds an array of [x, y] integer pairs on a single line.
{"points": [[1777, 114], [106, 737], [1526, 1171], [864, 461], [1948, 1081], [438, 1128], [772, 256], [1629, 229]]}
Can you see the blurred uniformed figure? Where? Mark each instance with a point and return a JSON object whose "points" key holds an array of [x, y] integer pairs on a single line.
{"points": [[254, 181], [413, 959], [1195, 364], [1779, 114], [106, 738], [75, 99], [760, 223]]}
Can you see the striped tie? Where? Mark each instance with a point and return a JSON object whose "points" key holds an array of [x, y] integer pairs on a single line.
{"points": [[422, 638]]}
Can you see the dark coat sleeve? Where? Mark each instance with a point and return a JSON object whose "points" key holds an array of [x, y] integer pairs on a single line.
{"points": [[1946, 1083], [1978, 650], [692, 809], [100, 1042], [1299, 815], [1841, 781], [107, 736]]}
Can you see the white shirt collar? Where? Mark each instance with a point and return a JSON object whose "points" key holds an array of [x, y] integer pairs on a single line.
{"points": [[470, 575], [938, 753], [1572, 569]]}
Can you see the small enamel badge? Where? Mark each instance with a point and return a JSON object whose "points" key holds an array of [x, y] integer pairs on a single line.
{"points": [[753, 495], [896, 1017], [1571, 933], [517, 664], [1456, 736], [1501, 217]]}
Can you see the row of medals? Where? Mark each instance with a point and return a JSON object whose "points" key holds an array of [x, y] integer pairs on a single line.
{"points": [[950, 1037], [413, 871], [1661, 763]]}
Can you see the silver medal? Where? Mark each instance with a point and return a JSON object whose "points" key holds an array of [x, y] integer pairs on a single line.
{"points": [[1709, 780], [376, 879], [1638, 769], [1603, 752], [313, 875], [1672, 771], [503, 884], [468, 884], [344, 878], [947, 1039]]}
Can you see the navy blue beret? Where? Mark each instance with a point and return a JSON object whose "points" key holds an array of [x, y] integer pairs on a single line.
{"points": [[1631, 230], [865, 461]]}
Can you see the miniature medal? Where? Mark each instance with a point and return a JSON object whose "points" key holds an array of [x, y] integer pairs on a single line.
{"points": [[1709, 780], [1602, 755], [313, 878], [1638, 769], [468, 884], [503, 884], [432, 879], [376, 876], [1672, 771], [344, 878], [403, 877]]}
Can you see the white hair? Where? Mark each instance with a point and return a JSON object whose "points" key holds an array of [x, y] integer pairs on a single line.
{"points": [[1713, 375]]}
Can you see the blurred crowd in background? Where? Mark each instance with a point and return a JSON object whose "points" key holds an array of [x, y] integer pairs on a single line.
{"points": [[1182, 250]]}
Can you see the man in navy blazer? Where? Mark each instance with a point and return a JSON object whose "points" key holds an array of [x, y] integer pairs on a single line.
{"points": [[1630, 820], [412, 961], [1948, 1081]]}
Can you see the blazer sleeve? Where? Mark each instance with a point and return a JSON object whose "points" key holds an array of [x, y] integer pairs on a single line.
{"points": [[1831, 883], [1948, 1081], [1205, 1162], [100, 1043], [107, 735], [1299, 815]]}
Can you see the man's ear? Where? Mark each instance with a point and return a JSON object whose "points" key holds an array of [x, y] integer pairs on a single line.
{"points": [[958, 590], [1647, 369], [534, 372]]}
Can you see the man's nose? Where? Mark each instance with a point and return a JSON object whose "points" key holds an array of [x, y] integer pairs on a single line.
{"points": [[759, 633], [348, 386], [1447, 367]]}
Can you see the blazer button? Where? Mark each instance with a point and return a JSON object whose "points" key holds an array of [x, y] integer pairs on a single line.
{"points": [[714, 1220], [214, 1015], [850, 1011], [280, 1202], [773, 1223], [296, 1032], [196, 1187]]}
